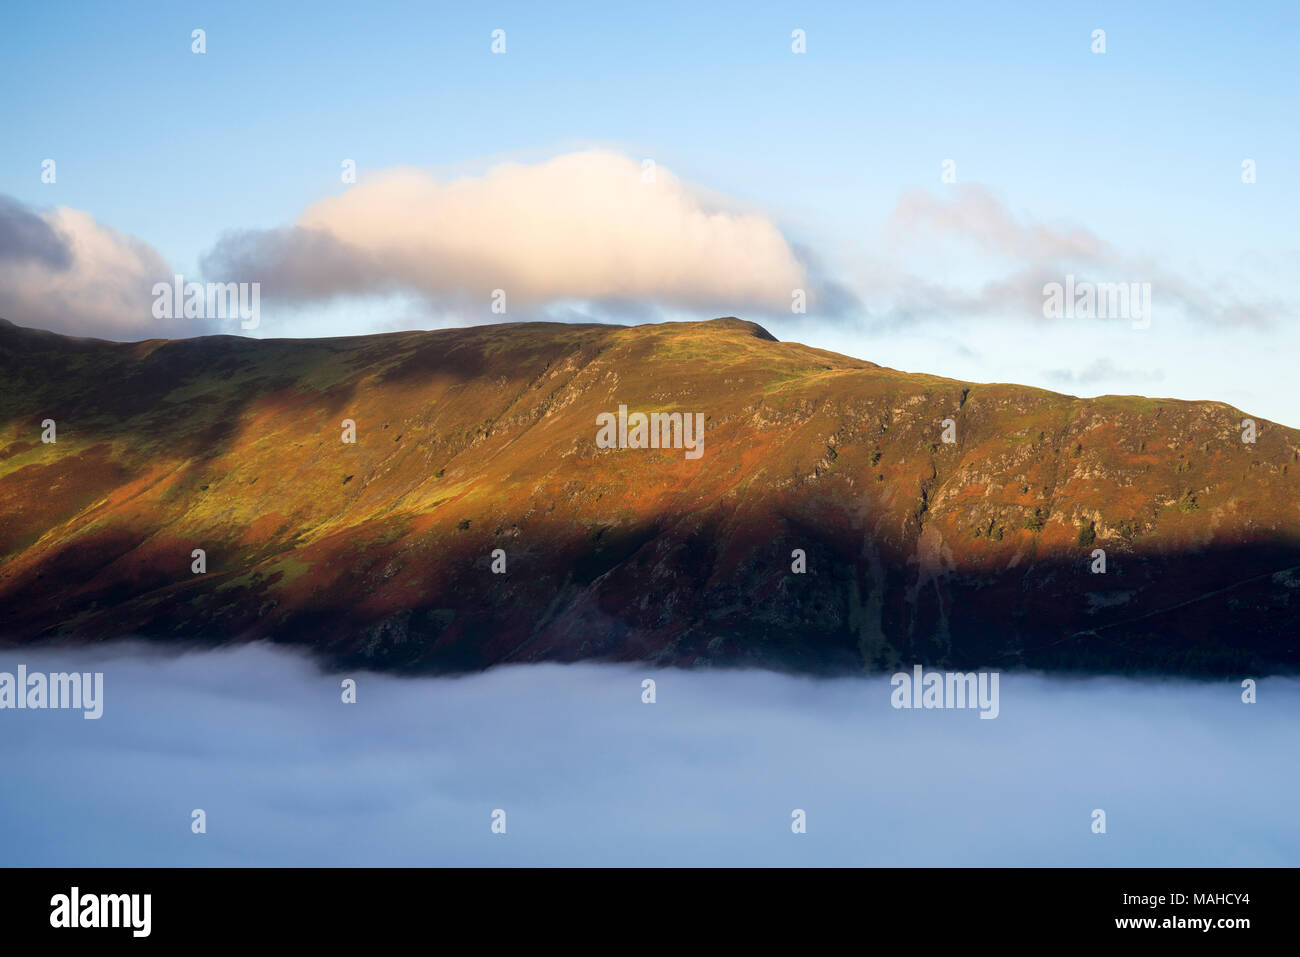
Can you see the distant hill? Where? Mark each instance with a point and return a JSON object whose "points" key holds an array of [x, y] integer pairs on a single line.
{"points": [[974, 553]]}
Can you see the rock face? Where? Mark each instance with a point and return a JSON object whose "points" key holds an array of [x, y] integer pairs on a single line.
{"points": [[972, 553]]}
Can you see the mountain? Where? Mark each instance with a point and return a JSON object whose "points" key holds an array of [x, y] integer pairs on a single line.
{"points": [[977, 552]]}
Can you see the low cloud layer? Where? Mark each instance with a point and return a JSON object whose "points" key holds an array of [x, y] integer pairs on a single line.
{"points": [[584, 226], [62, 270], [589, 775]]}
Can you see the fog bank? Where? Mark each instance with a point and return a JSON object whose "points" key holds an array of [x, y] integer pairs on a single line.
{"points": [[588, 774]]}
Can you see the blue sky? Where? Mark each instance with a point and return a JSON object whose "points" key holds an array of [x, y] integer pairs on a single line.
{"points": [[1140, 147]]}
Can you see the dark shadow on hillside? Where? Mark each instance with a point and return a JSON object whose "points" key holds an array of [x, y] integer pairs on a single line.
{"points": [[647, 596]]}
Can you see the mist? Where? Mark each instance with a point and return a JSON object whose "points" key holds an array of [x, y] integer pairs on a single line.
{"points": [[587, 774]]}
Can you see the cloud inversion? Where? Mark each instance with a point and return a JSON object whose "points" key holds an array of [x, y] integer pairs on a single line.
{"points": [[590, 776]]}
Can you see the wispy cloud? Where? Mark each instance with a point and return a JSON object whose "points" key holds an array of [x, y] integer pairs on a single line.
{"points": [[1016, 257], [1103, 370], [977, 216]]}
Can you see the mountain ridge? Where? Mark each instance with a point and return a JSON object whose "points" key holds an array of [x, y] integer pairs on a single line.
{"points": [[970, 553]]}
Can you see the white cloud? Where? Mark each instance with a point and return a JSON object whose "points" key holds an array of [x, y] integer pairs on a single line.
{"points": [[583, 226], [74, 275]]}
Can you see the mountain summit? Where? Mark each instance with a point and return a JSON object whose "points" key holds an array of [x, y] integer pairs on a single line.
{"points": [[523, 492]]}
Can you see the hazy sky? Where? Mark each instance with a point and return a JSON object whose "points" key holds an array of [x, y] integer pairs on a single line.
{"points": [[710, 774], [773, 170]]}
